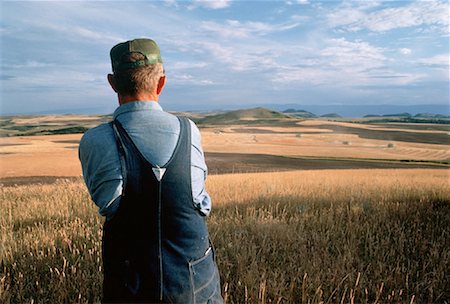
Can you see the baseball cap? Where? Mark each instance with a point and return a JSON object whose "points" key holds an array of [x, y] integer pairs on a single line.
{"points": [[147, 47]]}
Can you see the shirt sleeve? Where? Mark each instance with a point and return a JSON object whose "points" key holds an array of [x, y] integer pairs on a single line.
{"points": [[199, 172], [101, 168]]}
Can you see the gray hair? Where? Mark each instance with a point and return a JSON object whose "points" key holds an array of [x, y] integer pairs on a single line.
{"points": [[141, 79]]}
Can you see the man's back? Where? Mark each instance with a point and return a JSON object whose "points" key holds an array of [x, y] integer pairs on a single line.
{"points": [[156, 247], [155, 133]]}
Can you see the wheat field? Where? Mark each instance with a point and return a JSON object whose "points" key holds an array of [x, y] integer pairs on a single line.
{"points": [[343, 236]]}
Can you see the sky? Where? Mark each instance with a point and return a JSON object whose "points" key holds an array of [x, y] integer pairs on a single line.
{"points": [[55, 54]]}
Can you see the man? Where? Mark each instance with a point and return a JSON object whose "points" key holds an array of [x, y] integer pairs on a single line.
{"points": [[146, 172]]}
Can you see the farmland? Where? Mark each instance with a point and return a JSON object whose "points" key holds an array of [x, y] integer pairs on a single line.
{"points": [[290, 237], [271, 143], [304, 211]]}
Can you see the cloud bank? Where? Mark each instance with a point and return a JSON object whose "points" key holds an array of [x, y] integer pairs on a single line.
{"points": [[230, 51]]}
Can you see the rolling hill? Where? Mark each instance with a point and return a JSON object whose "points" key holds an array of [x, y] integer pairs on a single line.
{"points": [[242, 116], [300, 113]]}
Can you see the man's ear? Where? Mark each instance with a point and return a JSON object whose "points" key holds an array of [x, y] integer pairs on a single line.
{"points": [[112, 82], [161, 83]]}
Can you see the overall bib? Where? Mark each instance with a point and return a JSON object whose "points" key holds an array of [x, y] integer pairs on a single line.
{"points": [[156, 248]]}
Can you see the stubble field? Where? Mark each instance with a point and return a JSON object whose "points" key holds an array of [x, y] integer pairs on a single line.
{"points": [[362, 219], [293, 237]]}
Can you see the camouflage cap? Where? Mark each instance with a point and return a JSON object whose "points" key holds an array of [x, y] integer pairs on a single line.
{"points": [[147, 47]]}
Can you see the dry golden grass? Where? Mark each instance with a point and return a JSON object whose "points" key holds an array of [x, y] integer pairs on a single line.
{"points": [[349, 236]]}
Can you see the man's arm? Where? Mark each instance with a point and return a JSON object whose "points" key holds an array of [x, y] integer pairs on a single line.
{"points": [[199, 171], [101, 168]]}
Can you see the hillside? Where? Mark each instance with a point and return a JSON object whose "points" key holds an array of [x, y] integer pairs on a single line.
{"points": [[331, 115], [30, 125], [300, 113], [242, 116]]}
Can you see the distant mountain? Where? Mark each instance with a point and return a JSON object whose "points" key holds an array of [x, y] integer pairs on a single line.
{"points": [[331, 115], [430, 115], [408, 116], [242, 115], [361, 110], [425, 115], [290, 111], [354, 110], [299, 113], [405, 114]]}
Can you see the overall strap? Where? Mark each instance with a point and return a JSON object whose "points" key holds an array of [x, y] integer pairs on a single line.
{"points": [[121, 150], [125, 144]]}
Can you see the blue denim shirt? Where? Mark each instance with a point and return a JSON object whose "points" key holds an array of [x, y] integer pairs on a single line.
{"points": [[155, 133]]}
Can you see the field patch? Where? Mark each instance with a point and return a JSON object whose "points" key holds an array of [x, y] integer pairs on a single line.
{"points": [[360, 236], [416, 126], [414, 137], [220, 163], [305, 145]]}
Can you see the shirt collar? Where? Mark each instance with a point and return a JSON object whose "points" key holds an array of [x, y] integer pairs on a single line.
{"points": [[137, 106]]}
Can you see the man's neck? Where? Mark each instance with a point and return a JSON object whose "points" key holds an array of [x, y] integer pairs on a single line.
{"points": [[123, 99]]}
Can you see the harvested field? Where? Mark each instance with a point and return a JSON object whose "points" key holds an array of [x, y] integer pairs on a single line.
{"points": [[405, 136], [312, 144], [410, 126], [224, 163], [12, 144], [307, 145], [66, 142], [220, 163], [271, 131]]}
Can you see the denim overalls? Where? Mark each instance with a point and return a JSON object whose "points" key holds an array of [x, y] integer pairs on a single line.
{"points": [[156, 248]]}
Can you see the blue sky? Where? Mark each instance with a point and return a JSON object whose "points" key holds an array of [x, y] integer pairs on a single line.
{"points": [[55, 54]]}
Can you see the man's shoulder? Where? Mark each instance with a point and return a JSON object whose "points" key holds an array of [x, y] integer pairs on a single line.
{"points": [[194, 127], [98, 135]]}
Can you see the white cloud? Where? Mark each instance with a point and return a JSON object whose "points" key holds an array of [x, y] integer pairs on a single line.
{"points": [[358, 55], [57, 79], [357, 17], [438, 67], [240, 57], [405, 51], [392, 77], [173, 3], [77, 32], [184, 65], [94, 35], [211, 4], [302, 2], [442, 60], [188, 79], [237, 29], [29, 64], [343, 63], [300, 18], [346, 16], [420, 13]]}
